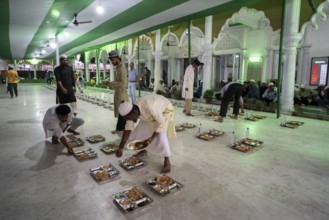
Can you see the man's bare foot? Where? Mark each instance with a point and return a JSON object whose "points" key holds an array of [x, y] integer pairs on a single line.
{"points": [[184, 110], [72, 131], [234, 116], [189, 114], [115, 132], [166, 166], [141, 153], [54, 140]]}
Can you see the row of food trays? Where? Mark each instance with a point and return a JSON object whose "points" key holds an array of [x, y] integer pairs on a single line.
{"points": [[133, 198], [292, 124], [246, 144]]}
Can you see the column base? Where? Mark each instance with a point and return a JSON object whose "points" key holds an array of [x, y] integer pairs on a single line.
{"points": [[287, 109]]}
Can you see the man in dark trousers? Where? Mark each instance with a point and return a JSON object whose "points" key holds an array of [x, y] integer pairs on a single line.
{"points": [[65, 84], [229, 91]]}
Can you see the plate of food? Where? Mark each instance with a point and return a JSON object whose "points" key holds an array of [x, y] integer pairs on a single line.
{"points": [[104, 173], [188, 125], [205, 136], [95, 139], [251, 118], [137, 145], [215, 132], [85, 154], [132, 163], [288, 125], [212, 114], [109, 147], [131, 199], [252, 142], [295, 122], [164, 185], [259, 116], [179, 128], [241, 147]]}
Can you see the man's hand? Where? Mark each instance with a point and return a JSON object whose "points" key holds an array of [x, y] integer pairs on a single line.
{"points": [[64, 90], [186, 89], [119, 152]]}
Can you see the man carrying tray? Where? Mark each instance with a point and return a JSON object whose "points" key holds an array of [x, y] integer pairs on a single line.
{"points": [[156, 124], [57, 119]]}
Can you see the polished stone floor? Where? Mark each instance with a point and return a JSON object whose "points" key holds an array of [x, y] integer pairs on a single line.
{"points": [[286, 178]]}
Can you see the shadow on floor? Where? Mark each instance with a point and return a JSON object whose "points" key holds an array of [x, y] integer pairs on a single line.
{"points": [[29, 120], [45, 154]]}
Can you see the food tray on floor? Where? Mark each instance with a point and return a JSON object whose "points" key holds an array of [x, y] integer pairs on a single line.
{"points": [[251, 142], [131, 199], [188, 125], [205, 136], [179, 128], [103, 174], [85, 154], [164, 185], [241, 147], [95, 139], [132, 163], [215, 132], [109, 147]]}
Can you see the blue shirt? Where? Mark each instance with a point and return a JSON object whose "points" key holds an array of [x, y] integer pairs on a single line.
{"points": [[132, 75]]}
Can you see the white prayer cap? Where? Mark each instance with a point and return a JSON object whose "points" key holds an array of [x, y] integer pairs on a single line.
{"points": [[252, 80], [63, 56], [270, 84], [125, 108], [296, 85], [302, 86]]}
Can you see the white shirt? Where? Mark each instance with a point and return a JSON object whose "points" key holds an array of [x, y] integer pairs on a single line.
{"points": [[52, 123]]}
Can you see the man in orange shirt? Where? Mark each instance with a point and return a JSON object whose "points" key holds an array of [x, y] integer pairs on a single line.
{"points": [[12, 78]]}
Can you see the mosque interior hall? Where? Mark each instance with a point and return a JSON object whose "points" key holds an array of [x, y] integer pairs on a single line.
{"points": [[176, 109]]}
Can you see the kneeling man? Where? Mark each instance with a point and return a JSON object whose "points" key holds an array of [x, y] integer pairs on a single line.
{"points": [[57, 119], [156, 124]]}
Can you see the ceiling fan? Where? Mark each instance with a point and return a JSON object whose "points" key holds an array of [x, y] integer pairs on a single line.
{"points": [[76, 22]]}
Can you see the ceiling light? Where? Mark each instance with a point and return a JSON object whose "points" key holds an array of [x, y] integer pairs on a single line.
{"points": [[99, 8], [43, 51], [66, 33], [55, 13], [37, 55], [53, 45]]}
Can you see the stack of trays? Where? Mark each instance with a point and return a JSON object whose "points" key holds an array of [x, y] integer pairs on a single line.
{"points": [[109, 148], [132, 163], [95, 139], [164, 185], [131, 199], [105, 173], [292, 124], [246, 144], [85, 154]]}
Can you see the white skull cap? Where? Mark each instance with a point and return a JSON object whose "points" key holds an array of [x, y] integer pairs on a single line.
{"points": [[125, 108]]}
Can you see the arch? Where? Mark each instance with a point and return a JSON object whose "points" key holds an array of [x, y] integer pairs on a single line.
{"points": [[145, 44], [169, 44], [320, 15], [249, 17], [197, 40], [226, 42]]}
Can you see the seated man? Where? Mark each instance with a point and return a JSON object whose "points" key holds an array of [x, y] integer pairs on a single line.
{"points": [[269, 95], [156, 115], [303, 96], [253, 90], [151, 86], [57, 119], [175, 88]]}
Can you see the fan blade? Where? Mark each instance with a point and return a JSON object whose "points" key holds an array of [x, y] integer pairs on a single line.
{"points": [[85, 22]]}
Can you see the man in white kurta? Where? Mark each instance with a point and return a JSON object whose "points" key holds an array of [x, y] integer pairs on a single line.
{"points": [[187, 91], [155, 125], [56, 120]]}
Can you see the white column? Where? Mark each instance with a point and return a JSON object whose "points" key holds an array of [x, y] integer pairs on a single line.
{"points": [[292, 38], [57, 50], [87, 75], [243, 62], [34, 71], [157, 56], [269, 65], [306, 65], [276, 63], [207, 55], [97, 67]]}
